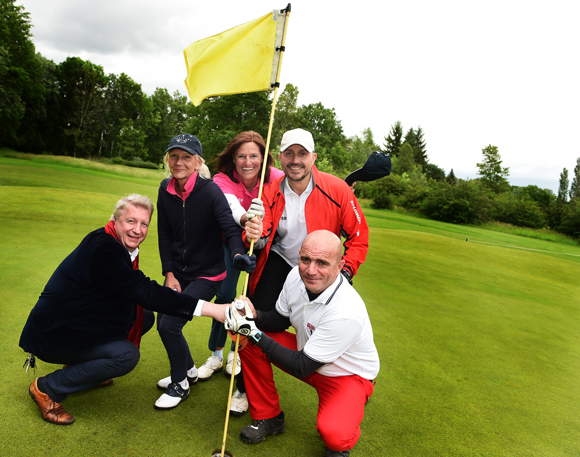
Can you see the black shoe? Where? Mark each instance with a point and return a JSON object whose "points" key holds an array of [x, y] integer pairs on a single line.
{"points": [[259, 429], [331, 453]]}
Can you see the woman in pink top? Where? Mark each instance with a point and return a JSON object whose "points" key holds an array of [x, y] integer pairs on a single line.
{"points": [[240, 168]]}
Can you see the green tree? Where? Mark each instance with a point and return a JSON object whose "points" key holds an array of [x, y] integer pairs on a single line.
{"points": [[221, 118], [21, 90], [493, 175], [131, 140], [165, 121], [286, 116], [432, 171], [464, 203], [339, 158], [388, 190], [323, 123], [570, 224], [359, 149], [404, 162], [563, 187], [416, 140], [575, 186], [451, 179], [522, 212], [410, 137], [82, 85], [125, 101], [394, 140], [544, 197], [50, 129], [420, 148]]}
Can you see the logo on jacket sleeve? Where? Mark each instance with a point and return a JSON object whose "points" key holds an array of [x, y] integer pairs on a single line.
{"points": [[355, 211]]}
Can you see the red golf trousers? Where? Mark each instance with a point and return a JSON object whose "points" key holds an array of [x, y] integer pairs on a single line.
{"points": [[341, 400]]}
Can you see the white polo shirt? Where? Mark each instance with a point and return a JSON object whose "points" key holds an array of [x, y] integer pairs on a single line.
{"points": [[333, 329], [292, 228]]}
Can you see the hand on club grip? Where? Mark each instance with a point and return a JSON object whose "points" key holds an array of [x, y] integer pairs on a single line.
{"points": [[245, 262], [244, 325], [256, 209]]}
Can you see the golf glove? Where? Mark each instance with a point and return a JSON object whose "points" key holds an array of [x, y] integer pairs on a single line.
{"points": [[244, 325], [245, 262], [255, 209]]}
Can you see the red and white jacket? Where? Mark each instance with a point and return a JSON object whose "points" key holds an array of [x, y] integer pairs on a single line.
{"points": [[331, 206]]}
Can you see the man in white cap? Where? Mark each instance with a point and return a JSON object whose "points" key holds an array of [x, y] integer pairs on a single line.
{"points": [[302, 201]]}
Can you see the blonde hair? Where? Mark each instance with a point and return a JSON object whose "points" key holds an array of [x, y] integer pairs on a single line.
{"points": [[202, 169], [140, 201]]}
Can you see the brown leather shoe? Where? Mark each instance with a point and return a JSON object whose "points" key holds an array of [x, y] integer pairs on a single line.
{"points": [[51, 411]]}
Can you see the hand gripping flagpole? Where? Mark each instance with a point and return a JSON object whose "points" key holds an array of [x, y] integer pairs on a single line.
{"points": [[281, 49]]}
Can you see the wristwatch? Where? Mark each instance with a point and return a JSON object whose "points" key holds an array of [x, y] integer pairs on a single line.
{"points": [[255, 337], [347, 275]]}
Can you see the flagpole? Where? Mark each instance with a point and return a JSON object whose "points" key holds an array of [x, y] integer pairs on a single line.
{"points": [[261, 188], [274, 100]]}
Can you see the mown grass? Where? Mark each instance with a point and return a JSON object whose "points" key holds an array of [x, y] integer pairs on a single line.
{"points": [[479, 343]]}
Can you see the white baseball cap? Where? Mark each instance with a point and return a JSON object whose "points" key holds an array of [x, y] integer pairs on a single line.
{"points": [[297, 136]]}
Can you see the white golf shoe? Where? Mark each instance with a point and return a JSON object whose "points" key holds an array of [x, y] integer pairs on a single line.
{"points": [[212, 365], [230, 365], [174, 395], [164, 383], [239, 404]]}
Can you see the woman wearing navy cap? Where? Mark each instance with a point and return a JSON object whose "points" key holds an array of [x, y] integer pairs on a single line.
{"points": [[193, 213]]}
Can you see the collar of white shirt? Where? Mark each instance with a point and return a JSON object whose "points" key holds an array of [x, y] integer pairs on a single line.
{"points": [[134, 254], [326, 296]]}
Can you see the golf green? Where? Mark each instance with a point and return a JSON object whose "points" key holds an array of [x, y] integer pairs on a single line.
{"points": [[479, 343]]}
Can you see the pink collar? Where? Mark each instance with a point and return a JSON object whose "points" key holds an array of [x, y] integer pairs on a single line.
{"points": [[237, 176], [189, 185]]}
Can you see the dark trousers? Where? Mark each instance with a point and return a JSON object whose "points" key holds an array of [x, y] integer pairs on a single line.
{"points": [[271, 282], [105, 361], [170, 328], [226, 294]]}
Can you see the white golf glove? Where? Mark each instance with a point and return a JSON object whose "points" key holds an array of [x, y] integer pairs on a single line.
{"points": [[244, 325], [255, 209]]}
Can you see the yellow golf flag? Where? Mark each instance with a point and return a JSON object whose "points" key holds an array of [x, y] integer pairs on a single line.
{"points": [[242, 59]]}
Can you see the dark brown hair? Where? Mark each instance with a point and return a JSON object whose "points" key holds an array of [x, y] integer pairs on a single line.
{"points": [[225, 161]]}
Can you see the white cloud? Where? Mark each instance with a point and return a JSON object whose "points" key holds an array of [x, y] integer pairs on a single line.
{"points": [[470, 74]]}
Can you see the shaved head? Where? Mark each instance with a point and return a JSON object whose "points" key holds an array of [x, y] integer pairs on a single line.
{"points": [[320, 260], [327, 239]]}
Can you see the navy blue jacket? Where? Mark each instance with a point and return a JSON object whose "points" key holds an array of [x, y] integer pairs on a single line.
{"points": [[190, 231], [91, 299]]}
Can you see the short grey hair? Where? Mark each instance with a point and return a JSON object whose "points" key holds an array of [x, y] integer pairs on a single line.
{"points": [[140, 201]]}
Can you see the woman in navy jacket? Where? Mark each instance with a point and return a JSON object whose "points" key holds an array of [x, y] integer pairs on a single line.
{"points": [[193, 215]]}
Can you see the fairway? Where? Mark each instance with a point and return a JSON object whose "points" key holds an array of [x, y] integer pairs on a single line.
{"points": [[478, 333]]}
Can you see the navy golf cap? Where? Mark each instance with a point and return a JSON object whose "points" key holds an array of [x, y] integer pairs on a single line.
{"points": [[377, 166], [187, 142]]}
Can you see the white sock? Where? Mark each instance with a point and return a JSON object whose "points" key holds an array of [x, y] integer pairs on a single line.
{"points": [[219, 354], [192, 372], [184, 384]]}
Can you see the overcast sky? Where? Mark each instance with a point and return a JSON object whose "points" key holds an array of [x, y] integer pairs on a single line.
{"points": [[470, 73]]}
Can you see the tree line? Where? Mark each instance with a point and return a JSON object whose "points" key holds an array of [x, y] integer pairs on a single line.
{"points": [[73, 108], [427, 190]]}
